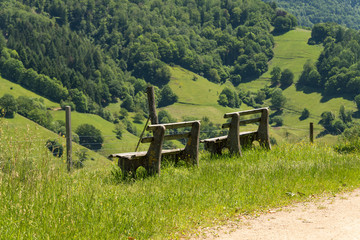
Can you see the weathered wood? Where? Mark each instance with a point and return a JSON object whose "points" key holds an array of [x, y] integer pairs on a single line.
{"points": [[151, 159], [168, 137], [152, 106], [68, 138], [174, 125], [235, 139], [312, 132], [244, 113], [243, 122]]}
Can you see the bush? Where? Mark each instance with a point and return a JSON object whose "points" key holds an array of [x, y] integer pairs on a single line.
{"points": [[287, 78], [168, 97], [278, 100], [8, 105], [90, 137], [82, 156], [55, 147], [277, 120], [305, 114]]}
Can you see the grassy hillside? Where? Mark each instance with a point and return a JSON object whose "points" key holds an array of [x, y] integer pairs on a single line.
{"points": [[111, 143], [292, 51], [197, 96], [30, 139], [16, 90], [45, 202]]}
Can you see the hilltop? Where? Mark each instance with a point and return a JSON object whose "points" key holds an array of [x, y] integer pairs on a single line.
{"points": [[308, 13]]}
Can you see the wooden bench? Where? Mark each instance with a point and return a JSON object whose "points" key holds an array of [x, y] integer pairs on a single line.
{"points": [[151, 159], [235, 139]]}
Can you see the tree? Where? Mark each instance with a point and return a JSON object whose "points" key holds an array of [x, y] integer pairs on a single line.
{"points": [[327, 119], [229, 98], [2, 41], [275, 75], [277, 100], [8, 106], [287, 78], [357, 101], [90, 137], [165, 117], [128, 103], [305, 114], [168, 97], [79, 99]]}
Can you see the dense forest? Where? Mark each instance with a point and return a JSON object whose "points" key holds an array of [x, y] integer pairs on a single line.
{"points": [[92, 52], [337, 70], [308, 13]]}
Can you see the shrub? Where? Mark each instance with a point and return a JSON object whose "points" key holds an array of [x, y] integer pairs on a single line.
{"points": [[305, 114], [55, 147], [277, 120], [8, 105], [90, 137]]}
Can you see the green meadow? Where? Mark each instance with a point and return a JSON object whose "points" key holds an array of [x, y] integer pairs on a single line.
{"points": [[16, 90], [40, 200]]}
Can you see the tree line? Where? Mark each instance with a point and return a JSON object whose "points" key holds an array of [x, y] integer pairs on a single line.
{"points": [[309, 13], [91, 53]]}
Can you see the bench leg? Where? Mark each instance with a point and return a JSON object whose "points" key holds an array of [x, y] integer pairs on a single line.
{"points": [[191, 150], [233, 140], [263, 131], [154, 152]]}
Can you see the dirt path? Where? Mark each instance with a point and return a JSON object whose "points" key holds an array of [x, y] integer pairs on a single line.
{"points": [[325, 218]]}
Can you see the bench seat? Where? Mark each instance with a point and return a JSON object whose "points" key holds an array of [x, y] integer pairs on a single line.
{"points": [[135, 155], [151, 159]]}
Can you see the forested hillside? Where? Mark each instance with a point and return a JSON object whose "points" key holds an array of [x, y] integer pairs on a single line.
{"points": [[308, 13], [94, 52]]}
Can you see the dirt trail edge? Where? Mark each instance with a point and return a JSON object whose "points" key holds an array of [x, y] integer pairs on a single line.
{"points": [[322, 218]]}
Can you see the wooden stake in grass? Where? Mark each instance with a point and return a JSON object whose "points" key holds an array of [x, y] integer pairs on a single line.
{"points": [[312, 132], [68, 138]]}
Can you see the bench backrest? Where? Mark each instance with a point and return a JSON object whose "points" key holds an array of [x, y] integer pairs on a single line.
{"points": [[262, 131], [192, 146]]}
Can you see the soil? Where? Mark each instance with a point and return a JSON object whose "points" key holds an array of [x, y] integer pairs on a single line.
{"points": [[335, 217]]}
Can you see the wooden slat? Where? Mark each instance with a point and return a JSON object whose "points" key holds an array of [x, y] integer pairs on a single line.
{"points": [[128, 155], [243, 113], [173, 125], [247, 133], [167, 137], [215, 139], [171, 151], [243, 122]]}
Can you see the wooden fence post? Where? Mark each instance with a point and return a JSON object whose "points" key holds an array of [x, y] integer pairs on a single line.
{"points": [[68, 138], [152, 107], [312, 132]]}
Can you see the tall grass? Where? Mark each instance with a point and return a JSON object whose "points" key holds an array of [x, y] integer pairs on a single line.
{"points": [[40, 200]]}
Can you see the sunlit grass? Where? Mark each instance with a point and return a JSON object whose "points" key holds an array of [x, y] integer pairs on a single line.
{"points": [[39, 199]]}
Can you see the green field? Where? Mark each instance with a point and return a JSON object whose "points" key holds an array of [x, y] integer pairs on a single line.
{"points": [[40, 200], [16, 90], [24, 135], [111, 143]]}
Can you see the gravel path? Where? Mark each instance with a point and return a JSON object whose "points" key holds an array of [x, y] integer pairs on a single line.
{"points": [[325, 218]]}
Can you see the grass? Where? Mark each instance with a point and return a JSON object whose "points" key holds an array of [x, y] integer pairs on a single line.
{"points": [[197, 98], [111, 143], [292, 51], [16, 90], [40, 200], [20, 132]]}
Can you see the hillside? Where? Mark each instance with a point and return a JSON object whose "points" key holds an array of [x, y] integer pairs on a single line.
{"points": [[308, 13], [30, 141]]}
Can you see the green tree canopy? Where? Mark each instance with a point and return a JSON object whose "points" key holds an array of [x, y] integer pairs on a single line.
{"points": [[90, 137]]}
